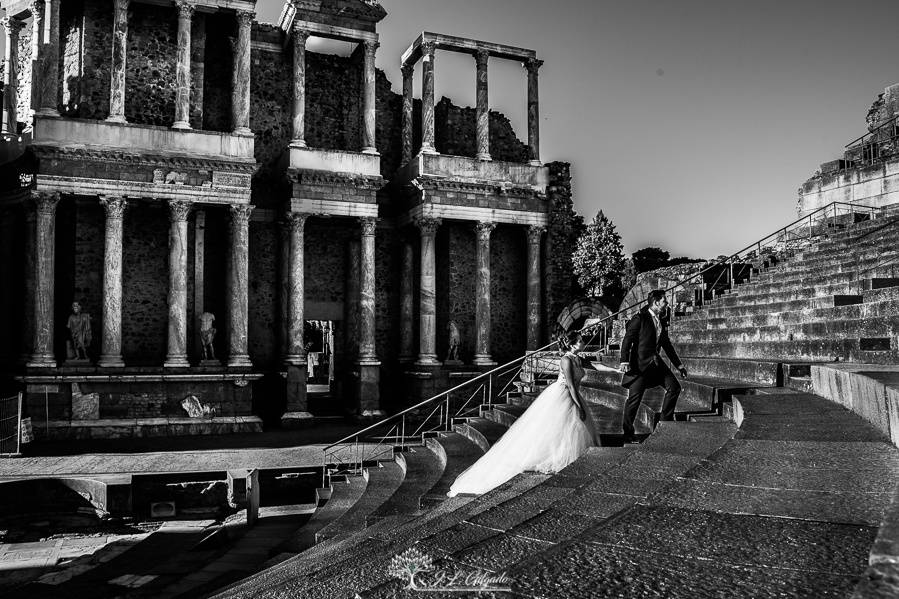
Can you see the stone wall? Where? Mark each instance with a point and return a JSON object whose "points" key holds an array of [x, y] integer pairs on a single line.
{"points": [[264, 321], [145, 275], [455, 133], [218, 72], [151, 61]]}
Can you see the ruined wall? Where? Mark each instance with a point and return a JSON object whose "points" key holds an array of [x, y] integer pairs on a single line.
{"points": [[218, 72], [455, 133], [508, 292], [565, 226]]}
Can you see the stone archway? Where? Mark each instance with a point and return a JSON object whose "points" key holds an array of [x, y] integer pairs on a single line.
{"points": [[579, 311]]}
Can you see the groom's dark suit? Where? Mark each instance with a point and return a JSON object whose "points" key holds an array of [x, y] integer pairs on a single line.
{"points": [[646, 369]]}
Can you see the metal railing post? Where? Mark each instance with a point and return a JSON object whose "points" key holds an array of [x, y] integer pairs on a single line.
{"points": [[490, 390], [730, 267], [19, 427], [448, 418], [403, 434]]}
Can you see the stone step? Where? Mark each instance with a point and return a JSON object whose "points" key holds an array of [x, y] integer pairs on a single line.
{"points": [[865, 309], [847, 261], [458, 453], [481, 431], [822, 329], [751, 296], [382, 482], [819, 350], [776, 306], [765, 373], [342, 495], [423, 469], [849, 276], [504, 414]]}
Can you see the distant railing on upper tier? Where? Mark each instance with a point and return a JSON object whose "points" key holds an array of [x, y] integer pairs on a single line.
{"points": [[876, 145], [438, 413]]}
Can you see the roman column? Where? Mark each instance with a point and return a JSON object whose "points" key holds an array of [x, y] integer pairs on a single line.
{"points": [[177, 298], [238, 285], [427, 97], [30, 268], [111, 344], [407, 306], [182, 68], [37, 51], [367, 291], [427, 310], [240, 85], [296, 350], [44, 284], [300, 36], [482, 295], [407, 70], [284, 288], [117, 68], [12, 27], [482, 118], [50, 66], [532, 65], [535, 235], [368, 98]]}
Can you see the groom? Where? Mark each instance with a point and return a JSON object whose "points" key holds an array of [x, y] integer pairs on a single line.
{"points": [[646, 334]]}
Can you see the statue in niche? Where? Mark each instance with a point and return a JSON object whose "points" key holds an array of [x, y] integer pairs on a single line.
{"points": [[455, 342], [79, 325], [207, 335], [158, 175]]}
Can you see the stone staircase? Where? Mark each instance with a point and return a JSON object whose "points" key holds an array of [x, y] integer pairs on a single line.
{"points": [[784, 502], [836, 300], [761, 488]]}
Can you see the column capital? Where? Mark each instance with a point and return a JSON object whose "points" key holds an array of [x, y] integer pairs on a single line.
{"points": [[481, 56], [427, 225], [532, 65], [114, 206], [299, 32], [185, 9], [12, 25], [408, 70], [245, 17], [121, 5], [370, 46], [37, 7], [179, 210], [240, 213], [535, 233], [369, 224], [484, 229], [428, 48], [295, 221], [45, 202]]}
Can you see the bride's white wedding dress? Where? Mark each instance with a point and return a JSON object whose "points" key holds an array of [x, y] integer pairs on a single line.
{"points": [[546, 438]]}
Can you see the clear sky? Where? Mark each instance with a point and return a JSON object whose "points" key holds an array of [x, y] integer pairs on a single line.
{"points": [[691, 123]]}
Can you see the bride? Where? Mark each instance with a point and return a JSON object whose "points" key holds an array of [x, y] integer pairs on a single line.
{"points": [[553, 432]]}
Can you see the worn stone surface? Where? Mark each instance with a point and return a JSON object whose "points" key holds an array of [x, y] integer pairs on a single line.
{"points": [[177, 296], [111, 348], [427, 330], [238, 285], [119, 58], [240, 96], [45, 249], [183, 81], [589, 570], [482, 293], [427, 95]]}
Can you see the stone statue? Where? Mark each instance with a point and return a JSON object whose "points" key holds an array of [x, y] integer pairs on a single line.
{"points": [[79, 325], [207, 335], [455, 341]]}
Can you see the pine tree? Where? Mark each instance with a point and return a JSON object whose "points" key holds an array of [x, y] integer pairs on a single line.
{"points": [[598, 259]]}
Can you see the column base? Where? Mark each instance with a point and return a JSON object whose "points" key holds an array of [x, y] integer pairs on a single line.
{"points": [[176, 362], [427, 360], [484, 360], [111, 362], [48, 112], [118, 118], [245, 131], [295, 389], [41, 361], [373, 151], [428, 150], [535, 163], [181, 125], [368, 385], [295, 360], [240, 361], [484, 157], [298, 143], [291, 420]]}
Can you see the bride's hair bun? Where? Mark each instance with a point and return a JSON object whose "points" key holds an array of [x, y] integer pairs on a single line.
{"points": [[567, 339]]}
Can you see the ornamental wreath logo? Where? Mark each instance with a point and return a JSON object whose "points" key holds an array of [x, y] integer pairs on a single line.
{"points": [[417, 569]]}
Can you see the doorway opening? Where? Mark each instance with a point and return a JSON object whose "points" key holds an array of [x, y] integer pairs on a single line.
{"points": [[319, 338]]}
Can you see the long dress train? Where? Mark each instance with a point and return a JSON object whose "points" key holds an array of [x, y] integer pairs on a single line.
{"points": [[546, 438]]}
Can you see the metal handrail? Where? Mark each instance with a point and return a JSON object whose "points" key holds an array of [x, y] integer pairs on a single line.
{"points": [[878, 128], [486, 378]]}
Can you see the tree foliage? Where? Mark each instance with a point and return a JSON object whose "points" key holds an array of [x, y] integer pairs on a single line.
{"points": [[598, 258]]}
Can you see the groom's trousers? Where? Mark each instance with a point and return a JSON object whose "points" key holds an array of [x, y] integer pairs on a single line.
{"points": [[657, 374]]}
